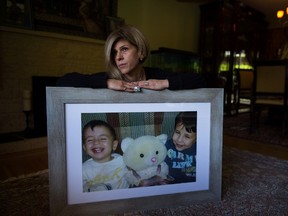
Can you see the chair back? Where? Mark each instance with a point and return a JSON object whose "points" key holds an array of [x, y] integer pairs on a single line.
{"points": [[245, 79], [271, 82], [270, 90], [270, 79]]}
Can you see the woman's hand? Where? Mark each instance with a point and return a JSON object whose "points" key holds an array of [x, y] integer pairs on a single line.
{"points": [[154, 84], [120, 85]]}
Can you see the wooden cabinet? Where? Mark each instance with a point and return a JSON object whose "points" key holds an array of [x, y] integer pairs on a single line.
{"points": [[231, 37]]}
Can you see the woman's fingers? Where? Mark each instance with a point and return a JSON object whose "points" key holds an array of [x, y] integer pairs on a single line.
{"points": [[120, 85], [129, 87], [154, 84]]}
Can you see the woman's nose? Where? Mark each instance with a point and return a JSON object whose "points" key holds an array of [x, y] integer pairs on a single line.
{"points": [[119, 56]]}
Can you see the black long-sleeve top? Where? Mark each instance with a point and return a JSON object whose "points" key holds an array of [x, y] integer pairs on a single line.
{"points": [[177, 81]]}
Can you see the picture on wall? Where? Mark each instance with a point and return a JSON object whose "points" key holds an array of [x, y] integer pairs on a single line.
{"points": [[16, 13], [87, 18], [76, 17], [113, 23]]}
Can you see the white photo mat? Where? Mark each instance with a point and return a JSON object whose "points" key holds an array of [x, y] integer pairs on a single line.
{"points": [[74, 151]]}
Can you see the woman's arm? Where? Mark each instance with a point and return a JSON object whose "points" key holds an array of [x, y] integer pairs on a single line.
{"points": [[97, 80], [158, 80]]}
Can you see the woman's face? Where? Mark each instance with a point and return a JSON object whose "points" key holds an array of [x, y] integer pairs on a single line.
{"points": [[183, 139], [126, 57]]}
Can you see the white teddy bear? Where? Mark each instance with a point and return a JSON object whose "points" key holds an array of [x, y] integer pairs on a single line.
{"points": [[144, 158]]}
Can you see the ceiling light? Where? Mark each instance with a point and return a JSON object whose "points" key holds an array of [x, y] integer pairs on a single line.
{"points": [[280, 14]]}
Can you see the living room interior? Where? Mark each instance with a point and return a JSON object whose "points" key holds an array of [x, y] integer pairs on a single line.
{"points": [[199, 35]]}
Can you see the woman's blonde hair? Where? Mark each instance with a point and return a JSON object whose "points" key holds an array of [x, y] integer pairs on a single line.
{"points": [[133, 36]]}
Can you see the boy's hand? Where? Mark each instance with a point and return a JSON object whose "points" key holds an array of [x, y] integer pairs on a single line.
{"points": [[155, 180]]}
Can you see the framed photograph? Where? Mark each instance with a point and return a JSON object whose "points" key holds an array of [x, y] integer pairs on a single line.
{"points": [[113, 23], [74, 17], [16, 13], [132, 115]]}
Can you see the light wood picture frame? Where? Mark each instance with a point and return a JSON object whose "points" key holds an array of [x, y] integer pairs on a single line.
{"points": [[64, 100]]}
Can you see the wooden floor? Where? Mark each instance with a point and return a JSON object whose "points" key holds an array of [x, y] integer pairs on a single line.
{"points": [[16, 163], [23, 157], [19, 163], [265, 149]]}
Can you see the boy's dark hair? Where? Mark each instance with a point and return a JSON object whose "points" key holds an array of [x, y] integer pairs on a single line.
{"points": [[97, 123], [188, 119]]}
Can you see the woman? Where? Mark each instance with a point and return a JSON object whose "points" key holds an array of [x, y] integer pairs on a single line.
{"points": [[126, 49]]}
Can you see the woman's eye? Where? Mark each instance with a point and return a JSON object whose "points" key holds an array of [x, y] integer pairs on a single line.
{"points": [[141, 155], [124, 49], [157, 152]]}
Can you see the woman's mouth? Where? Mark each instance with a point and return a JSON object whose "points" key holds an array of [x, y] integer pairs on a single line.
{"points": [[121, 66]]}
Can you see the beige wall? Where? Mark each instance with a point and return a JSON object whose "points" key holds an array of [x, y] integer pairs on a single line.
{"points": [[166, 23], [28, 53]]}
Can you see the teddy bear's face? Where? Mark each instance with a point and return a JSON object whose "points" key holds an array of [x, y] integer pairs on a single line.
{"points": [[144, 152]]}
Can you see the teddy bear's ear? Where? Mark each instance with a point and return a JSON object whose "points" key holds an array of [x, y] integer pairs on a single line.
{"points": [[162, 138], [125, 143]]}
